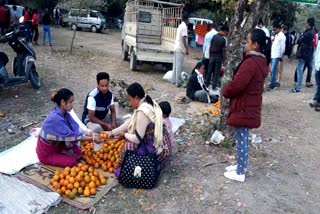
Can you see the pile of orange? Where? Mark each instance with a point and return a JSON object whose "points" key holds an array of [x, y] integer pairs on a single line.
{"points": [[107, 158], [217, 110], [78, 180]]}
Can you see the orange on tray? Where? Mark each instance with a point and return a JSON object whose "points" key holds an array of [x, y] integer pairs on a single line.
{"points": [[107, 158], [80, 180]]}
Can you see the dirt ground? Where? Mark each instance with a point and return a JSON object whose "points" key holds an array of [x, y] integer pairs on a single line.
{"points": [[283, 175]]}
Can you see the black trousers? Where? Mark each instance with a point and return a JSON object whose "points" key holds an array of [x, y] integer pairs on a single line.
{"points": [[214, 68]]}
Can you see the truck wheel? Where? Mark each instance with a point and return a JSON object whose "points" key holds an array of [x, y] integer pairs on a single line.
{"points": [[133, 61], [168, 66], [73, 26], [125, 55], [94, 29], [34, 78]]}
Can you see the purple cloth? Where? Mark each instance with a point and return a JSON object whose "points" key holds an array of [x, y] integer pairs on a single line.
{"points": [[63, 127]]}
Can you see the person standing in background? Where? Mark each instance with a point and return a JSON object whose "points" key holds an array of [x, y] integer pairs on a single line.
{"points": [[206, 47], [46, 27], [14, 17], [304, 54], [35, 25], [217, 57], [180, 51], [277, 50]]}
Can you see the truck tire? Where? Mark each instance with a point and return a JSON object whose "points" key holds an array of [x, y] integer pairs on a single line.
{"points": [[168, 66], [133, 61], [125, 54]]}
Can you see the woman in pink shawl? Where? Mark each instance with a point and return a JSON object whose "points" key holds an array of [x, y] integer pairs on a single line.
{"points": [[58, 142]]}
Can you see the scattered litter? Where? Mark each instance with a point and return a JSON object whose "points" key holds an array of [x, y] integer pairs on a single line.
{"points": [[2, 114], [152, 207], [17, 97], [217, 137], [141, 202], [180, 140], [256, 139]]}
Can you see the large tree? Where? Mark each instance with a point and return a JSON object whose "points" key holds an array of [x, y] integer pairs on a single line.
{"points": [[245, 19]]}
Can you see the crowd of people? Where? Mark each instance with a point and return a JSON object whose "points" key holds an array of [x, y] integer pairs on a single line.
{"points": [[10, 19], [264, 55]]}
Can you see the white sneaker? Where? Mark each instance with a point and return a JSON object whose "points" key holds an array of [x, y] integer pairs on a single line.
{"points": [[231, 168], [232, 175]]}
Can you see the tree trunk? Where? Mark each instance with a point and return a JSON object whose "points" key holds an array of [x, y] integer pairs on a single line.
{"points": [[244, 20]]}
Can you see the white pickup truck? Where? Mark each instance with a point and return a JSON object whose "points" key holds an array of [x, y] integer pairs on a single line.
{"points": [[149, 32]]}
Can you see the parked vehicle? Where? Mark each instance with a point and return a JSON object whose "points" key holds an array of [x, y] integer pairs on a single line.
{"points": [[24, 68], [149, 32], [198, 21], [86, 19]]}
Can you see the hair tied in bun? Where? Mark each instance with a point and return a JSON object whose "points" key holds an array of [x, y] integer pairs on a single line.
{"points": [[53, 96]]}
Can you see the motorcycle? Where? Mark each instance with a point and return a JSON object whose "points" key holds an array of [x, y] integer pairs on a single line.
{"points": [[24, 68]]}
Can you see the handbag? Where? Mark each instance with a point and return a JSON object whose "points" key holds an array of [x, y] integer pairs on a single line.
{"points": [[140, 171]]}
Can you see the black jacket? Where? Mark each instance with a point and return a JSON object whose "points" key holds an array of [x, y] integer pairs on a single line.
{"points": [[193, 85], [306, 45]]}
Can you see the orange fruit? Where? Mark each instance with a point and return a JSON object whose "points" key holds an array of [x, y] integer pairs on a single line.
{"points": [[59, 191], [103, 181], [56, 177], [96, 165], [80, 190], [56, 185], [90, 169], [52, 181], [63, 189], [92, 184], [93, 191], [67, 192], [78, 178], [97, 183], [93, 178], [61, 176], [67, 177], [86, 193], [80, 165], [111, 170], [72, 195], [70, 186], [112, 159], [71, 180], [96, 173], [67, 169], [76, 185], [65, 183], [57, 172], [77, 169], [109, 165], [87, 179], [83, 184], [73, 173]]}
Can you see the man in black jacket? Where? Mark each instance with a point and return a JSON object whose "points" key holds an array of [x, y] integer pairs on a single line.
{"points": [[305, 53]]}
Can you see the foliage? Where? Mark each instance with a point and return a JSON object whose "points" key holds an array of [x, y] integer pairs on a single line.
{"points": [[305, 12], [283, 12]]}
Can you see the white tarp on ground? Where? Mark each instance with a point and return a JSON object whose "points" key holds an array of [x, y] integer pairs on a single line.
{"points": [[18, 157], [176, 123], [20, 197]]}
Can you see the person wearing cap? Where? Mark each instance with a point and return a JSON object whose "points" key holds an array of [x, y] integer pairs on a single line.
{"points": [[277, 50], [304, 53]]}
